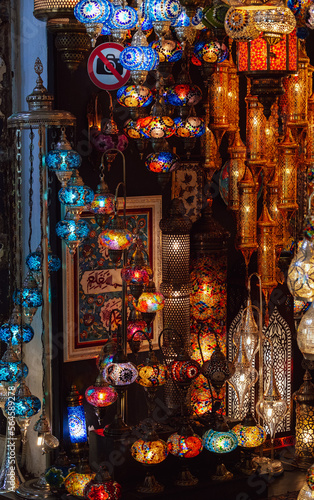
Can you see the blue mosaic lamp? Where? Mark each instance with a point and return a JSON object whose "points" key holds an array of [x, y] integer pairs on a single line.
{"points": [[75, 195], [139, 58], [135, 98], [183, 20], [76, 420], [63, 160], [162, 13], [29, 297], [25, 404], [220, 439], [15, 331], [72, 231], [11, 368], [93, 14], [123, 17], [34, 260]]}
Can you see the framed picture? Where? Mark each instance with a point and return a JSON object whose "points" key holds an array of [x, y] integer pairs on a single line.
{"points": [[92, 286], [187, 184]]}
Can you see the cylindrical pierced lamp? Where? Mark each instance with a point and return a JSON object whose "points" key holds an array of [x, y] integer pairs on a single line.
{"points": [[304, 437]]}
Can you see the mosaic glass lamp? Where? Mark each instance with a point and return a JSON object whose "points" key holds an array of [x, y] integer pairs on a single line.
{"points": [[137, 272], [189, 129], [25, 404], [184, 370], [102, 487], [139, 58], [169, 51], [149, 452], [103, 203], [250, 435], [150, 302], [75, 195], [56, 474], [93, 14], [72, 231], [16, 331], [162, 13], [157, 126], [123, 17], [136, 98], [136, 330], [76, 421], [185, 444], [63, 160], [75, 482], [162, 162], [34, 260], [11, 368], [121, 372], [29, 296], [116, 236], [184, 94], [100, 396], [220, 439], [152, 374]]}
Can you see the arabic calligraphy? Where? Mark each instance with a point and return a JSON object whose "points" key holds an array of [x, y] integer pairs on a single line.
{"points": [[101, 280]]}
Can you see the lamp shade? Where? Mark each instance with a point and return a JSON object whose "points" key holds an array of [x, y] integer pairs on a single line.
{"points": [[183, 95], [116, 236], [75, 193], [152, 374], [149, 452], [25, 405], [12, 371], [102, 487], [93, 11], [101, 396], [76, 482], [123, 18], [76, 417], [250, 436], [305, 336], [189, 127], [156, 127], [220, 441], [169, 51], [120, 374], [161, 162], [300, 279], [72, 231], [183, 446], [134, 96], [183, 371], [150, 302]]}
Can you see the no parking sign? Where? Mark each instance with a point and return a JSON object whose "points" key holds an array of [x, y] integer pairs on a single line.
{"points": [[104, 67]]}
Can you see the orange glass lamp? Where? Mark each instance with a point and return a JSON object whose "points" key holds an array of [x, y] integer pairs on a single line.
{"points": [[276, 215], [266, 252], [185, 444], [218, 95], [247, 216], [287, 168], [237, 152], [297, 93], [250, 435], [266, 65]]}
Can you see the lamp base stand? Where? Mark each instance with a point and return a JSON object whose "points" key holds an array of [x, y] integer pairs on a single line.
{"points": [[266, 466], [150, 485], [247, 466], [35, 489], [222, 473], [186, 478], [117, 428]]}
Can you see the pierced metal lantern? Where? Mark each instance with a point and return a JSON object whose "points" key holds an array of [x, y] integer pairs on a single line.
{"points": [[52, 9], [304, 438]]}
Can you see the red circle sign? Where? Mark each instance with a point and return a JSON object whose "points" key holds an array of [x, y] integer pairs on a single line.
{"points": [[104, 67]]}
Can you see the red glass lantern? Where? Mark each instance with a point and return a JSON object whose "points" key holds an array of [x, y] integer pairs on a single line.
{"points": [[185, 444], [102, 487], [267, 65], [184, 370], [101, 396]]}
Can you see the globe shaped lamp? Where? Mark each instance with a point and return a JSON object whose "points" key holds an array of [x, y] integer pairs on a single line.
{"points": [[250, 435], [34, 264], [184, 370], [116, 236], [11, 368], [93, 14], [220, 439], [136, 98], [102, 487], [217, 369], [121, 372], [63, 160], [75, 196], [152, 374], [139, 58], [29, 296], [150, 302], [16, 331], [149, 452], [103, 204], [72, 231], [25, 404], [75, 482], [100, 395], [185, 444]]}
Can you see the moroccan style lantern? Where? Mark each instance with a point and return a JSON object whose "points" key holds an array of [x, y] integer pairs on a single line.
{"points": [[267, 65], [304, 399], [76, 420], [266, 252], [247, 215]]}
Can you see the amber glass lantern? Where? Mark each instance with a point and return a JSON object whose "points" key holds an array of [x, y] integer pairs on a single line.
{"points": [[247, 216], [233, 94], [276, 215], [287, 169], [218, 95], [267, 65], [255, 131], [297, 92], [237, 152], [304, 437], [266, 252]]}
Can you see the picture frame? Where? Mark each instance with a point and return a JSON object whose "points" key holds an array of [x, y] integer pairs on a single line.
{"points": [[187, 185], [92, 287]]}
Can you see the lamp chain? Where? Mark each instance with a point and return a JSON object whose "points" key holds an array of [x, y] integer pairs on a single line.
{"points": [[18, 249], [41, 174], [30, 192]]}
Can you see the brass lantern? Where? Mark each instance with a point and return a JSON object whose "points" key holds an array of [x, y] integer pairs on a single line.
{"points": [[52, 9], [277, 215], [237, 152], [247, 215], [218, 92], [255, 131], [287, 168], [266, 255], [304, 437]]}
